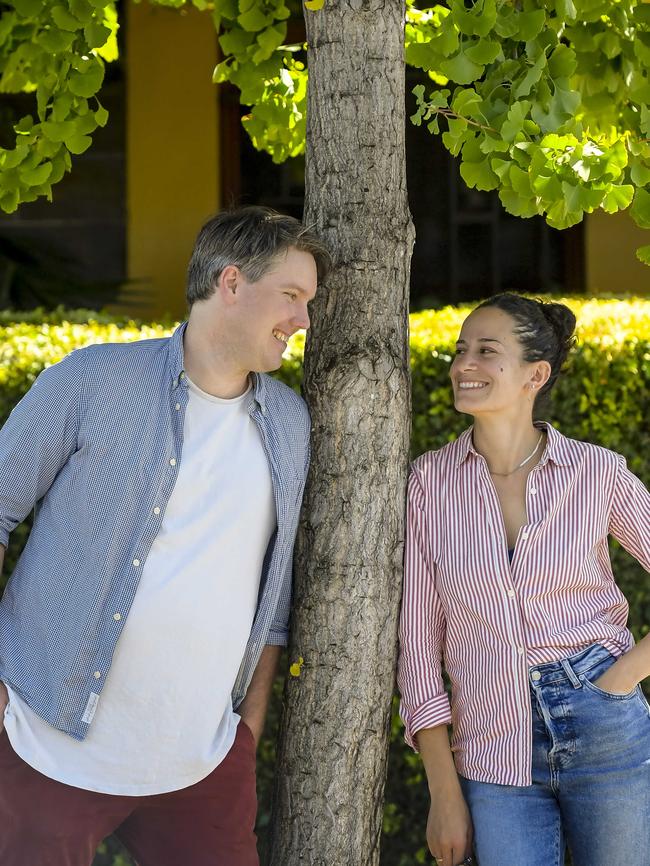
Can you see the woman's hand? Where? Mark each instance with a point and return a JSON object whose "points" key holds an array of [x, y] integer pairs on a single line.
{"points": [[4, 700], [628, 671], [449, 827], [617, 679]]}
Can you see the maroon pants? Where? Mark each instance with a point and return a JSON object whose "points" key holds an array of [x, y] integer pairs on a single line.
{"points": [[46, 823]]}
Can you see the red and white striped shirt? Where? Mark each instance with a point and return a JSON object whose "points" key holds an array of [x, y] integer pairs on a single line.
{"points": [[491, 620]]}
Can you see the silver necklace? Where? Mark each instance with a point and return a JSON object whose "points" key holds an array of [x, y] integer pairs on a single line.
{"points": [[523, 462]]}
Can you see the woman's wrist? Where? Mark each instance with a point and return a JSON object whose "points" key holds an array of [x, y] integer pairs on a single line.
{"points": [[633, 666]]}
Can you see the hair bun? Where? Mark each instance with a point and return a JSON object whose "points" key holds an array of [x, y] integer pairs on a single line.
{"points": [[561, 319]]}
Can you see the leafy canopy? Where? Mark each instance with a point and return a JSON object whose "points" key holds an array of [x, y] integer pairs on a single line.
{"points": [[546, 101]]}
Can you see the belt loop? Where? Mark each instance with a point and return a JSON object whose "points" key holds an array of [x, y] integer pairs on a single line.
{"points": [[571, 674]]}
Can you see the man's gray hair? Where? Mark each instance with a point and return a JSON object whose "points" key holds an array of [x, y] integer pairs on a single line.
{"points": [[250, 238]]}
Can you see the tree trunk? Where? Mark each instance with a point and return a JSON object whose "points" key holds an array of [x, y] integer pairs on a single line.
{"points": [[335, 726]]}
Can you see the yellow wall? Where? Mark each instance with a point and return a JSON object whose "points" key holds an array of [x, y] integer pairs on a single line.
{"points": [[172, 148], [611, 263]]}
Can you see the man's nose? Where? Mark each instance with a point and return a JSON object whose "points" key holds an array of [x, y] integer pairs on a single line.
{"points": [[302, 318]]}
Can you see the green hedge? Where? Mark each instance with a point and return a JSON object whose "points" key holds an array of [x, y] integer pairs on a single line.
{"points": [[604, 398]]}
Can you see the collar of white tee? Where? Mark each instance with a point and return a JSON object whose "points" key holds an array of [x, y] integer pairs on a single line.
{"points": [[226, 401]]}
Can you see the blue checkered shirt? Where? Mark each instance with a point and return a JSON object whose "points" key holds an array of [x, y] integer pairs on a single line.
{"points": [[95, 448]]}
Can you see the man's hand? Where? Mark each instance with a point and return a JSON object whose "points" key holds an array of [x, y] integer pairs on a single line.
{"points": [[253, 708], [4, 700], [449, 828]]}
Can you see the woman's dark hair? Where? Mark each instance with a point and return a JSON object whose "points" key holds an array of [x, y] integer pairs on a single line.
{"points": [[544, 330]]}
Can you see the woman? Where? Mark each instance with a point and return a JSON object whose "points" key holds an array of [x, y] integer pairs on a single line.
{"points": [[508, 582]]}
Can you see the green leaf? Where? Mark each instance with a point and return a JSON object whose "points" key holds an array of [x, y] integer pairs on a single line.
{"points": [[581, 198], [643, 254], [562, 63], [531, 78], [25, 124], [57, 130], [458, 133], [87, 83], [520, 181], [618, 198], [101, 116], [530, 24], [96, 35], [63, 19], [479, 175], [37, 176], [461, 69], [254, 20], [514, 122], [516, 204], [55, 41], [483, 52], [645, 120], [27, 8], [269, 40], [642, 51], [9, 200], [83, 10], [78, 143], [565, 9], [475, 22], [12, 158], [235, 41], [640, 174], [560, 217], [506, 24], [640, 211], [466, 102], [314, 5]]}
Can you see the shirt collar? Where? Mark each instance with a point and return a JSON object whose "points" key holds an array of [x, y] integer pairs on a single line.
{"points": [[177, 367], [555, 450], [176, 361]]}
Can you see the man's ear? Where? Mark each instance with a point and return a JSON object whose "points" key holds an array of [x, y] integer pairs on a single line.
{"points": [[227, 283]]}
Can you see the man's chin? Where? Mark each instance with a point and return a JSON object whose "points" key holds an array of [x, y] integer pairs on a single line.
{"points": [[267, 366]]}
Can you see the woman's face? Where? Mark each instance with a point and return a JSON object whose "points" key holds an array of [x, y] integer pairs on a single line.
{"points": [[489, 373]]}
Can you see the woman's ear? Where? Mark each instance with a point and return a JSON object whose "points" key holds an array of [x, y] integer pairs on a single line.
{"points": [[539, 376]]}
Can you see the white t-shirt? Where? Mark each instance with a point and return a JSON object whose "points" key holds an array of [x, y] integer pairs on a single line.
{"points": [[164, 719]]}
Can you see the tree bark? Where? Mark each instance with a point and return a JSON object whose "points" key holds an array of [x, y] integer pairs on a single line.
{"points": [[335, 727]]}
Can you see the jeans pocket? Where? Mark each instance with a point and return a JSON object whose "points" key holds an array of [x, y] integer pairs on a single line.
{"points": [[610, 696]]}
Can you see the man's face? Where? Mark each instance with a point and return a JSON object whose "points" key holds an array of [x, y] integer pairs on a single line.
{"points": [[270, 310]]}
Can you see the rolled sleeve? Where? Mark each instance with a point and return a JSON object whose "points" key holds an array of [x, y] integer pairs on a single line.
{"points": [[424, 702], [279, 632]]}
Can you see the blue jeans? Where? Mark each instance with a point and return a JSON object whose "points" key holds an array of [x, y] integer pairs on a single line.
{"points": [[591, 776]]}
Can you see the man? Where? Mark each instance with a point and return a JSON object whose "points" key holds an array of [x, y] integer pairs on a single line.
{"points": [[140, 630]]}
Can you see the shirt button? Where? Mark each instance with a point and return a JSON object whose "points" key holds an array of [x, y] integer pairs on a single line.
{"points": [[156, 510], [97, 674], [520, 650], [533, 491], [117, 616], [524, 535], [177, 407], [536, 676], [511, 593], [136, 562], [172, 462], [182, 375]]}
